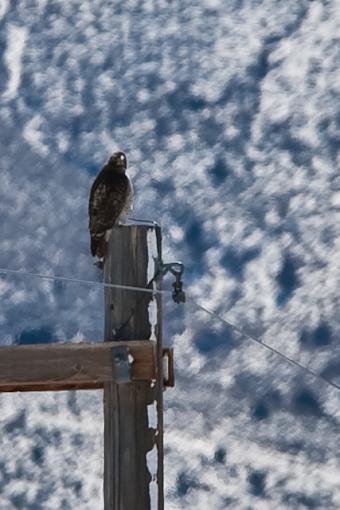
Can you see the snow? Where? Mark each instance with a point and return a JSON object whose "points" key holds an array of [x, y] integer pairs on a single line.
{"points": [[229, 116], [16, 40]]}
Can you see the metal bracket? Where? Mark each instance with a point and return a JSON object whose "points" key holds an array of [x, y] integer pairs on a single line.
{"points": [[176, 269], [121, 364], [168, 367]]}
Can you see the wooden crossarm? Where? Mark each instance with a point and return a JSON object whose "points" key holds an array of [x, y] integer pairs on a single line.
{"points": [[51, 367]]}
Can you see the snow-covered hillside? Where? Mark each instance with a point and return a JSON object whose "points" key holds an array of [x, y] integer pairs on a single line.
{"points": [[229, 115]]}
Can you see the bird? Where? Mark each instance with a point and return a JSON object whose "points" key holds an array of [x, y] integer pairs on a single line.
{"points": [[110, 201]]}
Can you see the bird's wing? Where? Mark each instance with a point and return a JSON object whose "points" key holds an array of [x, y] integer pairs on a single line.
{"points": [[107, 199]]}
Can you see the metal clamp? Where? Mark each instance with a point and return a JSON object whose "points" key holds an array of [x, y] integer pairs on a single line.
{"points": [[121, 364], [176, 269], [178, 294], [168, 367]]}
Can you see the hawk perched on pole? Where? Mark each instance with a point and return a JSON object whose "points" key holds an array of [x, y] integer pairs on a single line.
{"points": [[110, 202]]}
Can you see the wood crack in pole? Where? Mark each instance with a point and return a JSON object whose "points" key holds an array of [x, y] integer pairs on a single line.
{"points": [[127, 436]]}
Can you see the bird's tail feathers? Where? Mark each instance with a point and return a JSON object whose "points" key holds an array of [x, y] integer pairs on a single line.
{"points": [[98, 245]]}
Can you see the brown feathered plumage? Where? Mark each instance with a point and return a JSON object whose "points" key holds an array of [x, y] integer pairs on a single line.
{"points": [[110, 201]]}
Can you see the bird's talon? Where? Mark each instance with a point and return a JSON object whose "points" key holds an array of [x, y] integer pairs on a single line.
{"points": [[99, 264]]}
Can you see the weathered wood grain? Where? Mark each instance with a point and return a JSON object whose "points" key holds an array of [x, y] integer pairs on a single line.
{"points": [[127, 437], [69, 366]]}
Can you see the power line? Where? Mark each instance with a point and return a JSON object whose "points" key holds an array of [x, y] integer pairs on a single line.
{"points": [[230, 325], [82, 282], [260, 342]]}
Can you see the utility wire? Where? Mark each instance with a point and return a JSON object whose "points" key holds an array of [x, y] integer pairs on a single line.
{"points": [[83, 282], [230, 325], [259, 341]]}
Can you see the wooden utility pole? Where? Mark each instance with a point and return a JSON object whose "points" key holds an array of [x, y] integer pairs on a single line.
{"points": [[127, 435]]}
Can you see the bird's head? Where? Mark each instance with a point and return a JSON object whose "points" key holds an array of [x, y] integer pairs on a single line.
{"points": [[118, 162]]}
